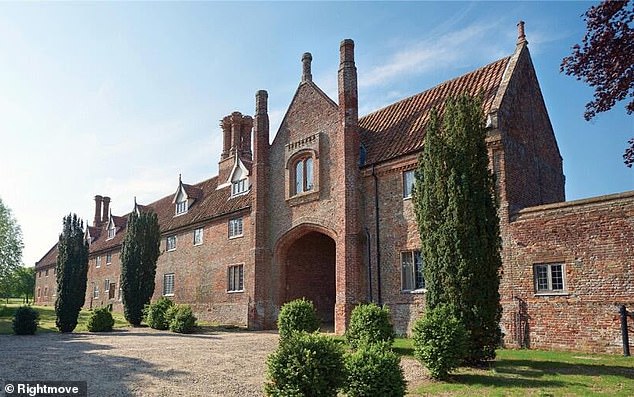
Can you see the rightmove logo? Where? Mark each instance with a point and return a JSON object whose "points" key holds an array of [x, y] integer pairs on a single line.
{"points": [[45, 388]]}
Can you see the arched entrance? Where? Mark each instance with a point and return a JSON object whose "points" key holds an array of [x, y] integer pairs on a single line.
{"points": [[308, 260]]}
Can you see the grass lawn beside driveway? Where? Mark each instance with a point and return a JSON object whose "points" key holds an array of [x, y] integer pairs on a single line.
{"points": [[532, 373], [47, 318]]}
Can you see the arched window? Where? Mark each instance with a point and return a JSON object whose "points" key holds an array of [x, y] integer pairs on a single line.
{"points": [[304, 175]]}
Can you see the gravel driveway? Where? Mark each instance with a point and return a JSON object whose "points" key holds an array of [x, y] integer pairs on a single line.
{"points": [[146, 362]]}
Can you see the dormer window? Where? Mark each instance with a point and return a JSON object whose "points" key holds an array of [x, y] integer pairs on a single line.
{"points": [[239, 187], [303, 175], [111, 231], [181, 207]]}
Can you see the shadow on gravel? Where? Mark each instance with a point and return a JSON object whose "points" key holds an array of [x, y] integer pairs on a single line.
{"points": [[56, 357]]}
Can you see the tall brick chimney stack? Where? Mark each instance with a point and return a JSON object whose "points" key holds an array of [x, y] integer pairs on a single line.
{"points": [[236, 127], [106, 209], [97, 219], [306, 71], [521, 36], [349, 257], [260, 174], [225, 124]]}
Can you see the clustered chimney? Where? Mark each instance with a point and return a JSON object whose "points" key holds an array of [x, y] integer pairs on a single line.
{"points": [[102, 208], [236, 130]]}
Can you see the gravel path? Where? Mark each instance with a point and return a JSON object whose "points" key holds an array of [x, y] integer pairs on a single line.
{"points": [[146, 362]]}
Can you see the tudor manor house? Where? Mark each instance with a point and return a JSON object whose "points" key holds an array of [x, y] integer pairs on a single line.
{"points": [[325, 212]]}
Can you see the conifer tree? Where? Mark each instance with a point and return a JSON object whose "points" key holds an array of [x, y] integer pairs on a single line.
{"points": [[139, 253], [456, 211], [72, 273]]}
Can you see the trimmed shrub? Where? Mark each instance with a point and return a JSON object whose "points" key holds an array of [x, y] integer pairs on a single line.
{"points": [[156, 313], [440, 341], [25, 320], [181, 319], [297, 315], [374, 370], [100, 320], [308, 365], [369, 323]]}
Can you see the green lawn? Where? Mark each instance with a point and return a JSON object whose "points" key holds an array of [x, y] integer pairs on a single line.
{"points": [[47, 318], [534, 373]]}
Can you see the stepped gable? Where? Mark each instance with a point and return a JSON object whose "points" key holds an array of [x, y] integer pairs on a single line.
{"points": [[399, 129]]}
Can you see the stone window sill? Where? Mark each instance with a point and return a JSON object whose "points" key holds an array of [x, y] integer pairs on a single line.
{"points": [[415, 291], [552, 293]]}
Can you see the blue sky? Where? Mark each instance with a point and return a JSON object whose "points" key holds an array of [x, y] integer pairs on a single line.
{"points": [[119, 98]]}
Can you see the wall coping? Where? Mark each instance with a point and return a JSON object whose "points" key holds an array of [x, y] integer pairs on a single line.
{"points": [[575, 204]]}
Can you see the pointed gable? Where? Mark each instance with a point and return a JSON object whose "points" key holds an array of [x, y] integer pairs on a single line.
{"points": [[399, 129]]}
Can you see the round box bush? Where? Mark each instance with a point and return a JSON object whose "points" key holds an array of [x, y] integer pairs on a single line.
{"points": [[25, 320], [369, 323], [100, 320], [156, 313], [440, 340], [308, 365], [295, 316], [181, 319], [374, 370]]}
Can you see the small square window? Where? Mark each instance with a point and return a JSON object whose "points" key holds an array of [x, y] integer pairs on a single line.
{"points": [[198, 236], [412, 271], [549, 277], [168, 284], [108, 258], [235, 278], [235, 227], [171, 243], [408, 183]]}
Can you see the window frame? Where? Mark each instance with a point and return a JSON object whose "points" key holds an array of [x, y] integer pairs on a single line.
{"points": [[167, 243], [232, 272], [549, 290], [167, 276], [108, 258], [414, 264], [231, 226], [307, 184], [239, 187], [95, 291], [181, 207], [112, 231], [407, 189], [202, 234], [98, 261]]}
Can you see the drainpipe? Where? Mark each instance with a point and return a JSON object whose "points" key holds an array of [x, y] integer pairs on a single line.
{"points": [[378, 241], [367, 235]]}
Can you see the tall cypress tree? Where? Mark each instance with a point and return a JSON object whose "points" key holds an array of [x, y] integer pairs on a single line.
{"points": [[139, 254], [456, 211], [72, 273]]}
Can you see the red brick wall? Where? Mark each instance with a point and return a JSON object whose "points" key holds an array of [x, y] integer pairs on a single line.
{"points": [[594, 239], [45, 286]]}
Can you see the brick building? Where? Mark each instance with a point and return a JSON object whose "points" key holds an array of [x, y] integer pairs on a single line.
{"points": [[324, 212]]}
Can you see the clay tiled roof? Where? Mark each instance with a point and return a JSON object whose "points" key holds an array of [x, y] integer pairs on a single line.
{"points": [[50, 258], [399, 129], [210, 203]]}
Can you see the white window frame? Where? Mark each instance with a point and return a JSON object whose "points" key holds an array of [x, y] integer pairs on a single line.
{"points": [[108, 258], [167, 243], [166, 283], [408, 185], [199, 232], [239, 187], [182, 207], [236, 227], [414, 265], [235, 274], [111, 232], [98, 261], [95, 291], [304, 169], [548, 267]]}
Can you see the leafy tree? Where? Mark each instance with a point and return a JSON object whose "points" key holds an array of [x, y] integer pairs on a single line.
{"points": [[10, 249], [24, 282], [605, 61], [139, 254], [457, 218], [72, 273]]}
